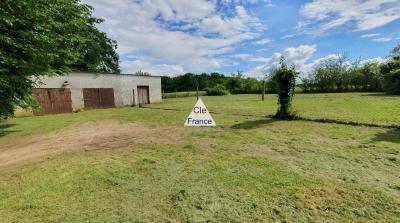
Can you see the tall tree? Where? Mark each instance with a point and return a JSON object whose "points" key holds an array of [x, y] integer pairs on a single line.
{"points": [[47, 37], [391, 72]]}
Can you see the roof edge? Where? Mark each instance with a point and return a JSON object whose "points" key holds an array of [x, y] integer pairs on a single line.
{"points": [[132, 75]]}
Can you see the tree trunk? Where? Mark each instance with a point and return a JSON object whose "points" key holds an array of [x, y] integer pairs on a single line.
{"points": [[263, 91]]}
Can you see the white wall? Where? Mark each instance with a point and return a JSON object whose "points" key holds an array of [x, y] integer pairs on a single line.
{"points": [[123, 85]]}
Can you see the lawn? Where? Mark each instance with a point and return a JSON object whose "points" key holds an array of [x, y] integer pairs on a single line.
{"points": [[142, 165]]}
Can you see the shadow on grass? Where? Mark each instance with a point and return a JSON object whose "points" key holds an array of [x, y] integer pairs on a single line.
{"points": [[253, 124], [4, 129], [391, 135], [378, 94], [351, 123]]}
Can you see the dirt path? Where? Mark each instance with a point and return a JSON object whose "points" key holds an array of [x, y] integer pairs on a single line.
{"points": [[88, 136]]}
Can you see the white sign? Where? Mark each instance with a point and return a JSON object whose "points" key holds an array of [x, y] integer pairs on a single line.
{"points": [[199, 116]]}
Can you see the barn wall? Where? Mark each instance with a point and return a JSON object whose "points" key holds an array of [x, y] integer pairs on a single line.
{"points": [[122, 84]]}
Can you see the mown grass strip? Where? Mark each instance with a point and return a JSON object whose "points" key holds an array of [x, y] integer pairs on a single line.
{"points": [[320, 120]]}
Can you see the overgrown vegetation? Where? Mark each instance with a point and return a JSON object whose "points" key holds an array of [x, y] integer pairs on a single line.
{"points": [[46, 37], [338, 74], [217, 90], [285, 80], [235, 84], [391, 72], [142, 73]]}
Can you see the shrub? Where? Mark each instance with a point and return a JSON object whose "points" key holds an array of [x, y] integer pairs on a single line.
{"points": [[392, 82], [217, 90], [391, 73], [285, 79]]}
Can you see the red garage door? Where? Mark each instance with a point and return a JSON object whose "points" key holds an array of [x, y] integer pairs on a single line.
{"points": [[98, 98], [52, 100]]}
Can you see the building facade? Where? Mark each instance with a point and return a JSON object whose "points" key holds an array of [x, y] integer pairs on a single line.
{"points": [[76, 91]]}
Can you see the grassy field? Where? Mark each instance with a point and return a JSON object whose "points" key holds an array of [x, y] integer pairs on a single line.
{"points": [[142, 165]]}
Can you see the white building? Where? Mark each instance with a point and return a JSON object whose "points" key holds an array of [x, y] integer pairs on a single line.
{"points": [[75, 91]]}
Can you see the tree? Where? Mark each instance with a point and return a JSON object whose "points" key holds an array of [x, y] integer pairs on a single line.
{"points": [[234, 84], [142, 73], [371, 76], [391, 72], [47, 37], [285, 79]]}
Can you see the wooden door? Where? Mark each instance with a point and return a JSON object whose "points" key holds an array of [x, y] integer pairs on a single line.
{"points": [[143, 94], [98, 98], [52, 100], [106, 97]]}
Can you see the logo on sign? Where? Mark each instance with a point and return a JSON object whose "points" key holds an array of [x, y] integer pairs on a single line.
{"points": [[199, 116]]}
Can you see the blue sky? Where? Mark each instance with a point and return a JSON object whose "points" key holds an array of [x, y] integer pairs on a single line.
{"points": [[172, 37]]}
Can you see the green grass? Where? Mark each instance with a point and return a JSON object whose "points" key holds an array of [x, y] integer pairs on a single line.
{"points": [[247, 169], [375, 108]]}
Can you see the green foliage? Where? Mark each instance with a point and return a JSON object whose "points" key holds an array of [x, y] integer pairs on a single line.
{"points": [[370, 77], [339, 75], [391, 71], [47, 37], [285, 79], [142, 73], [236, 84], [217, 90]]}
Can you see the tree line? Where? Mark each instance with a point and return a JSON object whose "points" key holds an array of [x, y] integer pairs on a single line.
{"points": [[341, 75], [337, 74], [213, 82]]}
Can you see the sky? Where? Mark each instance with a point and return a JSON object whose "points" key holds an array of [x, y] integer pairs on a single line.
{"points": [[173, 37]]}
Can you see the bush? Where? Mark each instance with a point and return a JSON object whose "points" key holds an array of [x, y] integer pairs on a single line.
{"points": [[217, 90], [285, 79], [391, 74], [392, 82]]}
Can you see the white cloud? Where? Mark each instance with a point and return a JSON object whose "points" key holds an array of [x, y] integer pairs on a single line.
{"points": [[382, 39], [155, 69], [324, 15], [242, 56], [166, 36], [369, 35], [324, 59], [376, 59], [267, 2], [288, 36], [299, 56], [262, 42]]}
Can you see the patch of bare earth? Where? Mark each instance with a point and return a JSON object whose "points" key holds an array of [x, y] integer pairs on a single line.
{"points": [[87, 136]]}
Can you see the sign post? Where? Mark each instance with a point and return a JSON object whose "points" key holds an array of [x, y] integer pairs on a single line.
{"points": [[199, 116]]}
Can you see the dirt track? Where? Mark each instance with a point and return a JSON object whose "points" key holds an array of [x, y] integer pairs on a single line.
{"points": [[88, 136]]}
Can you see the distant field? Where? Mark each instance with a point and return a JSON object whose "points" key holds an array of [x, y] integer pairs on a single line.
{"points": [[142, 165], [376, 108]]}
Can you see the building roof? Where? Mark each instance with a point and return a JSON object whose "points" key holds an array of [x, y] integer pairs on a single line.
{"points": [[83, 72]]}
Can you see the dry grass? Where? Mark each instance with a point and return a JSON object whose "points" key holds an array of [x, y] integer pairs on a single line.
{"points": [[108, 134]]}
